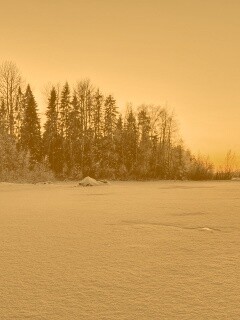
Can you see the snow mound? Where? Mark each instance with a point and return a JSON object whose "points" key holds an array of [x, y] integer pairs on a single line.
{"points": [[206, 229], [90, 182]]}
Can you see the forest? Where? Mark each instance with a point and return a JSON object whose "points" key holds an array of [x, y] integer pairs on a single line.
{"points": [[85, 134]]}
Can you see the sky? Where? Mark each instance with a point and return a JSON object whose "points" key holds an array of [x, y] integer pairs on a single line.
{"points": [[183, 54]]}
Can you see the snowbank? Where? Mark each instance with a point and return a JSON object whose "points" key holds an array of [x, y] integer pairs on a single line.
{"points": [[90, 182]]}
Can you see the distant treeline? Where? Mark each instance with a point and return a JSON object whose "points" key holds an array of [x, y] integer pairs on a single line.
{"points": [[85, 134]]}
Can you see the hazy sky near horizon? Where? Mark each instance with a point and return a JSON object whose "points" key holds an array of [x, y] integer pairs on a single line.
{"points": [[180, 53]]}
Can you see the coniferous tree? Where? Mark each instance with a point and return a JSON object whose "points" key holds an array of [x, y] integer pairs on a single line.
{"points": [[97, 114], [119, 147], [30, 135], [108, 147], [74, 138], [98, 131], [110, 117], [130, 141], [65, 108], [64, 114], [18, 113], [84, 94], [163, 146], [52, 140], [144, 144]]}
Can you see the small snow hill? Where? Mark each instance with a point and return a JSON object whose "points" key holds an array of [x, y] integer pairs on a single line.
{"points": [[90, 182]]}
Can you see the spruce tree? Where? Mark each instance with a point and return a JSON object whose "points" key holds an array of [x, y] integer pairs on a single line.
{"points": [[30, 133]]}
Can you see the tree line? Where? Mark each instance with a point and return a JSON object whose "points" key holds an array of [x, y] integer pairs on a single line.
{"points": [[85, 134]]}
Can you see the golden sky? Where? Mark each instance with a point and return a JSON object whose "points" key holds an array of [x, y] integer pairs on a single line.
{"points": [[182, 53]]}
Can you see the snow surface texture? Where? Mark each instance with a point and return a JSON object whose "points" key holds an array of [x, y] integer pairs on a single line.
{"points": [[132, 250]]}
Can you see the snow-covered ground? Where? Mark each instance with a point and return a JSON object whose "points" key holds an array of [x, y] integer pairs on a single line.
{"points": [[129, 250]]}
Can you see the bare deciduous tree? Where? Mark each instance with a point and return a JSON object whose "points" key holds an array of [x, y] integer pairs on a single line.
{"points": [[10, 81]]}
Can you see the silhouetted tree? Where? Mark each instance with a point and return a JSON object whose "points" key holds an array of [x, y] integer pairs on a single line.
{"points": [[144, 145], [30, 135], [19, 113], [97, 115], [130, 141], [52, 140], [119, 148], [74, 165], [109, 158], [64, 110]]}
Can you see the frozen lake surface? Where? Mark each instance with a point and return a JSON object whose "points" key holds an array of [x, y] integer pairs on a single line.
{"points": [[130, 250]]}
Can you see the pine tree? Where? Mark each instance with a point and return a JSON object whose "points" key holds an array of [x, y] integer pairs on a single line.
{"points": [[30, 135]]}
